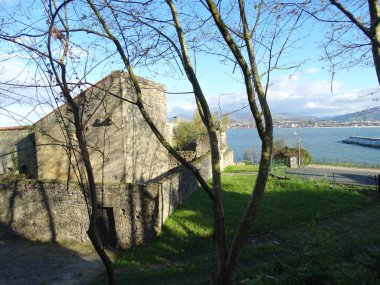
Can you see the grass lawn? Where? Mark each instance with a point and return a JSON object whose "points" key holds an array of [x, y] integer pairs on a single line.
{"points": [[242, 168], [305, 233]]}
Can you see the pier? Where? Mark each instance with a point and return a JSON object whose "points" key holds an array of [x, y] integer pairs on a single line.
{"points": [[371, 142]]}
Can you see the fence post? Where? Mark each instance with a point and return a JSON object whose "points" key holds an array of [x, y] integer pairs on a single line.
{"points": [[334, 179], [305, 173], [378, 182]]}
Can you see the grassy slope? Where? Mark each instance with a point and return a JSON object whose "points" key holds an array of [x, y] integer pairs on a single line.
{"points": [[241, 168], [304, 232]]}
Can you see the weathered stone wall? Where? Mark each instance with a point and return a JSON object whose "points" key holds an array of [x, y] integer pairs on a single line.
{"points": [[9, 139], [121, 145], [145, 157], [54, 132], [179, 183], [228, 158], [57, 212], [26, 155]]}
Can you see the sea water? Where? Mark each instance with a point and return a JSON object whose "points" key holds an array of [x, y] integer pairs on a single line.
{"points": [[324, 144]]}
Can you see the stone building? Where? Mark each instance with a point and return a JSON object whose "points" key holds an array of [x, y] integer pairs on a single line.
{"points": [[17, 150], [122, 146], [140, 183]]}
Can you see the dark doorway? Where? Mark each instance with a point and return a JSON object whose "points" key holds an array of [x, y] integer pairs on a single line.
{"points": [[106, 226]]}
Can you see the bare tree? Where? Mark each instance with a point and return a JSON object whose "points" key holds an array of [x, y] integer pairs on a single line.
{"points": [[370, 29], [50, 49], [239, 43], [352, 37], [250, 38]]}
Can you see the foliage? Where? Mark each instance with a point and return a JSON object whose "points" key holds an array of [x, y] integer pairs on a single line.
{"points": [[251, 156], [286, 246], [282, 151], [224, 120], [14, 162], [8, 178], [186, 133], [20, 179]]}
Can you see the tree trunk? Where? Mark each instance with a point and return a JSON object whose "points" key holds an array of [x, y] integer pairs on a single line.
{"points": [[91, 232], [227, 275], [375, 31]]}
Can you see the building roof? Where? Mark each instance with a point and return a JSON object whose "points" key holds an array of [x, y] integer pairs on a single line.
{"points": [[14, 128], [113, 74]]}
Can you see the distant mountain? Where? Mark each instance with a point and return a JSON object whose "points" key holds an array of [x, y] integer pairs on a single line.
{"points": [[294, 117], [247, 117], [371, 114]]}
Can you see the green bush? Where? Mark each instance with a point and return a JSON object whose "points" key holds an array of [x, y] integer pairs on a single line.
{"points": [[186, 133], [283, 152]]}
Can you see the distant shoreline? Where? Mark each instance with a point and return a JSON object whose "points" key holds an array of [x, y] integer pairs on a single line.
{"points": [[295, 128]]}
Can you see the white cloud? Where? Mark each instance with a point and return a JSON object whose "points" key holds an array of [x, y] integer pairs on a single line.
{"points": [[300, 95], [296, 94], [318, 105], [19, 104], [186, 106], [312, 70], [297, 87]]}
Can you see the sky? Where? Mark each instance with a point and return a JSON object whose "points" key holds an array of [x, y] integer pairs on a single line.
{"points": [[308, 91]]}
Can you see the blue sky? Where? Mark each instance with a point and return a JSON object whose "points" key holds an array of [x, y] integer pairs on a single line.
{"points": [[304, 92]]}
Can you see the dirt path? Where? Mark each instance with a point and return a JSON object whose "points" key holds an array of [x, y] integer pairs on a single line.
{"points": [[24, 262]]}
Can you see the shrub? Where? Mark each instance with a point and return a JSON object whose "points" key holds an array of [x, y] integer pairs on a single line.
{"points": [[282, 152], [186, 133]]}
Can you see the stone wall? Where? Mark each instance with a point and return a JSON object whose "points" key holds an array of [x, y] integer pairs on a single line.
{"points": [[145, 157], [55, 212], [228, 158], [122, 147], [179, 183], [10, 146], [58, 212], [27, 156]]}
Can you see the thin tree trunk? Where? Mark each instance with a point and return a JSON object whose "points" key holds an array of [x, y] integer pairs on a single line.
{"points": [[219, 233], [60, 76], [375, 31], [91, 232]]}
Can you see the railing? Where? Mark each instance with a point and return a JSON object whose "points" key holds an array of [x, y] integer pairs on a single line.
{"points": [[252, 158], [347, 162]]}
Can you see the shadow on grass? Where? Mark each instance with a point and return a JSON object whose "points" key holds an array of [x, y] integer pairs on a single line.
{"points": [[185, 250]]}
